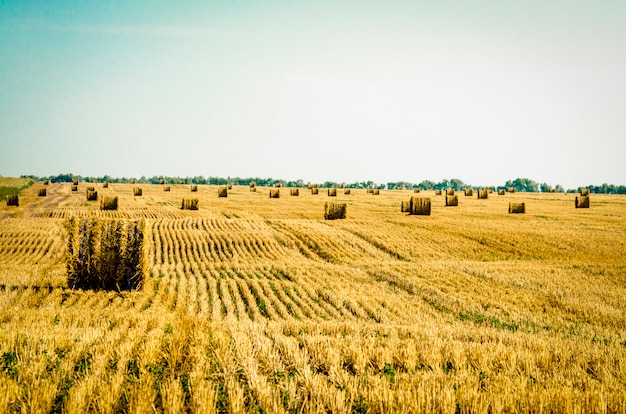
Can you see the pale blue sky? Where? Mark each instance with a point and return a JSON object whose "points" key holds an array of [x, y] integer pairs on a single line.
{"points": [[483, 91]]}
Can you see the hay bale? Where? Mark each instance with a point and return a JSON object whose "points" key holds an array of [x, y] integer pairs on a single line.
{"points": [[405, 206], [43, 192], [335, 211], [511, 189], [582, 201], [315, 190], [162, 182], [106, 254], [449, 191], [108, 203], [105, 185], [252, 185], [490, 191], [181, 182], [92, 195], [46, 182], [74, 182], [370, 191], [501, 192], [230, 186], [483, 194], [469, 192], [346, 191], [74, 188], [553, 190], [194, 188], [437, 192], [584, 191], [253, 189], [416, 190], [277, 185], [375, 192], [167, 188], [190, 204], [13, 200], [137, 192], [332, 192], [517, 208], [419, 206], [274, 193], [400, 188], [452, 200], [295, 192], [133, 181], [341, 186], [222, 192]]}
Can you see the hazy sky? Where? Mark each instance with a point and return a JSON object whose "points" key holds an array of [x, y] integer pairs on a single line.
{"points": [[483, 91]]}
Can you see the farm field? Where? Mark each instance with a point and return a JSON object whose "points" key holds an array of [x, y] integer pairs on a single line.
{"points": [[255, 304]]}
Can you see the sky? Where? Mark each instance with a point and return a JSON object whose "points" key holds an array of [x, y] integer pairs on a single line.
{"points": [[343, 91]]}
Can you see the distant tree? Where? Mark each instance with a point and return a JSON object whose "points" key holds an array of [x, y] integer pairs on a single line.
{"points": [[545, 188], [559, 188]]}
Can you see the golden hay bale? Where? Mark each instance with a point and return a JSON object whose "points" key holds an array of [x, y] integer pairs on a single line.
{"points": [[230, 186], [346, 191], [309, 186], [162, 182], [92, 195], [582, 201], [553, 190], [43, 192], [419, 206], [405, 206], [108, 203], [400, 188], [490, 191], [167, 188], [274, 193], [483, 194], [340, 185], [181, 182], [278, 185], [584, 191], [517, 208], [315, 190], [334, 211], [370, 191], [137, 192], [332, 192], [449, 191], [437, 192], [416, 190], [252, 185], [294, 192], [194, 188], [511, 189], [222, 192], [133, 181], [13, 200], [469, 192], [190, 204], [105, 185], [501, 192], [74, 182], [253, 189], [452, 200], [46, 182], [376, 192], [74, 188], [106, 254]]}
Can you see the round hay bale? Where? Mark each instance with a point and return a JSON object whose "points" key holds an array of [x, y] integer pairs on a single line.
{"points": [[584, 191], [449, 191], [74, 188], [420, 206], [13, 200], [222, 192], [252, 185], [452, 200], [92, 195], [277, 185], [438, 192], [46, 182], [582, 201], [376, 192], [43, 192], [346, 191], [137, 192], [332, 192], [469, 192], [517, 208], [74, 182], [133, 181], [483, 194], [341, 186], [162, 182], [167, 188], [253, 189], [181, 182], [108, 203], [416, 190], [315, 190], [190, 204], [501, 192], [295, 192], [274, 193], [105, 185], [405, 206], [230, 186], [194, 188], [335, 211]]}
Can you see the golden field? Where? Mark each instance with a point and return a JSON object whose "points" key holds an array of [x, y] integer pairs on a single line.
{"points": [[259, 305]]}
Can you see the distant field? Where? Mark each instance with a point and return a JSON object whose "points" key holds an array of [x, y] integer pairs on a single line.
{"points": [[258, 304], [12, 186]]}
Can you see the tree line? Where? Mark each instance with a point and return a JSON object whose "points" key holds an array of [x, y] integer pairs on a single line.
{"points": [[519, 184]]}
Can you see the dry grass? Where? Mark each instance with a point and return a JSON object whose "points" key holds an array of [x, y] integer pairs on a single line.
{"points": [[255, 304]]}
